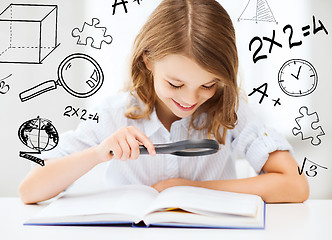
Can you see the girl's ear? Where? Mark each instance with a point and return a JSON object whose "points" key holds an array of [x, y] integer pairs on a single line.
{"points": [[147, 62]]}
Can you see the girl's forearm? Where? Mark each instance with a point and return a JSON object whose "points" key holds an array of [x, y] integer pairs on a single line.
{"points": [[43, 183], [272, 187], [281, 181]]}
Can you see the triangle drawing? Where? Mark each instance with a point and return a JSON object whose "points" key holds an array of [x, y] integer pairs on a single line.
{"points": [[257, 10]]}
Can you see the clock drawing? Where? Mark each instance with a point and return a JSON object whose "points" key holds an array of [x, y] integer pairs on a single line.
{"points": [[297, 78]]}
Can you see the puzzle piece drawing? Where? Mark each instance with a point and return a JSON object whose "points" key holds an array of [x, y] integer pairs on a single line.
{"points": [[305, 126], [93, 32]]}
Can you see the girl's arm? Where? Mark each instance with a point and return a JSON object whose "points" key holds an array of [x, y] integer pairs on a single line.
{"points": [[46, 182], [43, 183], [280, 182]]}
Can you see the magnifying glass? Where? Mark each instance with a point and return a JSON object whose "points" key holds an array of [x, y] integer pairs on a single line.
{"points": [[186, 148], [68, 70]]}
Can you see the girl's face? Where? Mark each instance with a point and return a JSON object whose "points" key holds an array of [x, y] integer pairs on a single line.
{"points": [[181, 85]]}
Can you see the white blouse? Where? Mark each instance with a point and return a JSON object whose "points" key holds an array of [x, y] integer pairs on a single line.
{"points": [[250, 139]]}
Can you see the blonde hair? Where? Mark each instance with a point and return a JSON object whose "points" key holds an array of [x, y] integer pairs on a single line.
{"points": [[203, 31]]}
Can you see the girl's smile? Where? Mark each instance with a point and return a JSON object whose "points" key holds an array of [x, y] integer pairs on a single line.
{"points": [[184, 107]]}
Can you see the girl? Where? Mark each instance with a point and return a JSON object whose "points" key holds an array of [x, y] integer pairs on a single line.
{"points": [[183, 85]]}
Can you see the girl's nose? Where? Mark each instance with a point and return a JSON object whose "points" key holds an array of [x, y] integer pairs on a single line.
{"points": [[190, 98]]}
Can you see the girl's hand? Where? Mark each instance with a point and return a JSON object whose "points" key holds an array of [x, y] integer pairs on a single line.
{"points": [[172, 182], [124, 144]]}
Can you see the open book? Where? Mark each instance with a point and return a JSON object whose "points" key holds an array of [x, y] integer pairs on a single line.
{"points": [[180, 206]]}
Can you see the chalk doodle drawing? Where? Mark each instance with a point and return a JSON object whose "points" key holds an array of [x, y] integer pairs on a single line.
{"points": [[82, 114], [93, 32], [262, 89], [305, 126], [138, 1], [276, 102], [28, 33], [258, 11], [297, 78], [40, 135], [4, 88], [116, 3], [288, 30], [124, 4], [67, 78], [312, 170]]}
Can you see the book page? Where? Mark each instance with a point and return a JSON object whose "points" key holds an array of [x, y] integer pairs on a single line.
{"points": [[206, 200], [187, 219], [130, 200]]}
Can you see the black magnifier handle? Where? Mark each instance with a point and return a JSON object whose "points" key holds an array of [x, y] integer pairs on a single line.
{"points": [[38, 89], [186, 148]]}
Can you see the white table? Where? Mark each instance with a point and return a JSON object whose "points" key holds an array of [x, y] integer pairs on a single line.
{"points": [[310, 220]]}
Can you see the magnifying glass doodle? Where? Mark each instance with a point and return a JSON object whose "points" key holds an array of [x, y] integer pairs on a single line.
{"points": [[68, 70], [186, 148]]}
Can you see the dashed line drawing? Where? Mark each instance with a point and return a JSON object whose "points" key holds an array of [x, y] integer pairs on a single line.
{"points": [[28, 33], [258, 11], [94, 32], [40, 135], [305, 126]]}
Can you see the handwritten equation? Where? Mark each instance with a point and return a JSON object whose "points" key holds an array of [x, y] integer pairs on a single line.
{"points": [[312, 168], [80, 113], [318, 26]]}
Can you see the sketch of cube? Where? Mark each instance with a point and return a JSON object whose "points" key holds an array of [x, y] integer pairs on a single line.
{"points": [[28, 33]]}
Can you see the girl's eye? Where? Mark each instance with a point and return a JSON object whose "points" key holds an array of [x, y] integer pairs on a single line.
{"points": [[177, 87], [174, 86], [209, 87]]}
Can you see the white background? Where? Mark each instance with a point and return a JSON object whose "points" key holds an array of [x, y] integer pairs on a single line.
{"points": [[113, 59]]}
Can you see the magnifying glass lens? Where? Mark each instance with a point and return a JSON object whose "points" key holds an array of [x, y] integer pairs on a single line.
{"points": [[80, 76]]}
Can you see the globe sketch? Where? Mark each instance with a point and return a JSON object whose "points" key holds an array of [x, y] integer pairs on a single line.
{"points": [[38, 134]]}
